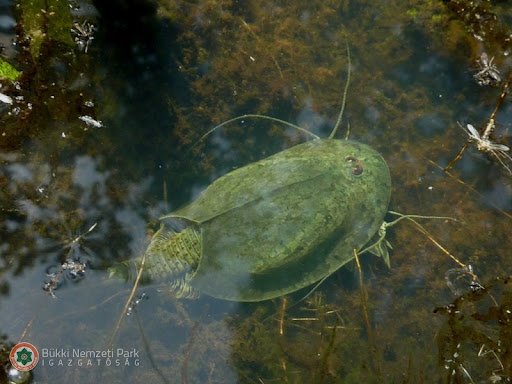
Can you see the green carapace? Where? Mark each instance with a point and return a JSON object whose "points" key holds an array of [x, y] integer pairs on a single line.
{"points": [[276, 225]]}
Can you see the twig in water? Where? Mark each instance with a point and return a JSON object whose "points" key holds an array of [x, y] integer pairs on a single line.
{"points": [[186, 355], [128, 302], [369, 329], [248, 27], [149, 353], [26, 329], [470, 188], [282, 313]]}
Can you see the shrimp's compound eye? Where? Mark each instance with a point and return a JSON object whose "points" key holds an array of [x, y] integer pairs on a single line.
{"points": [[357, 167]]}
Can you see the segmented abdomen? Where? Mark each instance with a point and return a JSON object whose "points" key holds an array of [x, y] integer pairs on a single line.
{"points": [[172, 255]]}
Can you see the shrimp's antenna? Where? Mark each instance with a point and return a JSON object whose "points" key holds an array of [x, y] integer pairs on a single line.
{"points": [[344, 99], [256, 116]]}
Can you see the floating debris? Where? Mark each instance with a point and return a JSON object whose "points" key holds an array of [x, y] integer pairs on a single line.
{"points": [[71, 269], [90, 121], [5, 99], [135, 303], [83, 35], [462, 280], [473, 342], [75, 269]]}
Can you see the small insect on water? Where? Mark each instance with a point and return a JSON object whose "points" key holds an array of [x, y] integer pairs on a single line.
{"points": [[484, 144], [483, 141], [83, 35], [487, 72]]}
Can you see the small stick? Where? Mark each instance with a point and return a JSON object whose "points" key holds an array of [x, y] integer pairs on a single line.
{"points": [[130, 298], [248, 27], [284, 302], [26, 329], [469, 187], [490, 124], [188, 349], [420, 228], [369, 329], [364, 294], [456, 158], [149, 353]]}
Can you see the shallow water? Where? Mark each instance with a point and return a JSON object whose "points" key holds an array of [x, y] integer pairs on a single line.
{"points": [[159, 77]]}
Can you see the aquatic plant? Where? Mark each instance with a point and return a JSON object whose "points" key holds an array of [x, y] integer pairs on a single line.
{"points": [[7, 71], [474, 339], [44, 21]]}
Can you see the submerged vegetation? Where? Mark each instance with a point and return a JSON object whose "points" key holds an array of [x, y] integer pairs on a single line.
{"points": [[98, 141], [45, 22], [7, 71], [474, 341]]}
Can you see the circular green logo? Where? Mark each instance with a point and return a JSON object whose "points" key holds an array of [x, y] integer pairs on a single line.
{"points": [[24, 356]]}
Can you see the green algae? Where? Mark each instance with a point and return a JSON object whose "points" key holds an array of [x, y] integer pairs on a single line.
{"points": [[51, 75], [45, 21], [474, 338], [8, 72]]}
